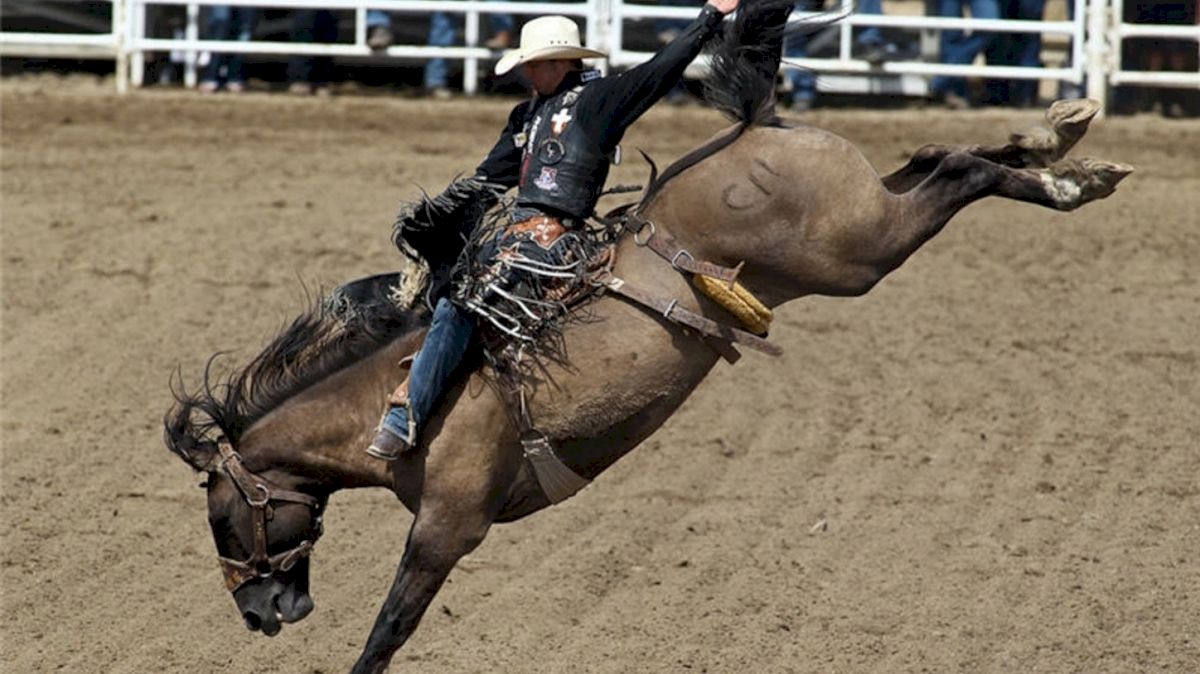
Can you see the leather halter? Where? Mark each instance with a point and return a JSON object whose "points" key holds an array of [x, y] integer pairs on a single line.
{"points": [[259, 493]]}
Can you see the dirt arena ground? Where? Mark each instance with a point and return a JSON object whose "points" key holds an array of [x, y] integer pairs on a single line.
{"points": [[1002, 437]]}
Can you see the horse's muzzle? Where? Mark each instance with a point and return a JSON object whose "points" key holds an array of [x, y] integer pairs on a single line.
{"points": [[268, 603]]}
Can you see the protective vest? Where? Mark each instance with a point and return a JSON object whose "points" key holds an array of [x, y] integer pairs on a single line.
{"points": [[561, 167]]}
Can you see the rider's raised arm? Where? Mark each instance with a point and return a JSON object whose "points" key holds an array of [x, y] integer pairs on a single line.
{"points": [[627, 95]]}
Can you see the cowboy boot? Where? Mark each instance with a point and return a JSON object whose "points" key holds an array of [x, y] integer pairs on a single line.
{"points": [[395, 431]]}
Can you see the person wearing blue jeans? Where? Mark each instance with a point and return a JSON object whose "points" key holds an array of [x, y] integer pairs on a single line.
{"points": [[443, 32], [227, 23], [872, 35], [803, 80], [312, 74], [960, 48], [379, 29], [1016, 49], [445, 345], [555, 150]]}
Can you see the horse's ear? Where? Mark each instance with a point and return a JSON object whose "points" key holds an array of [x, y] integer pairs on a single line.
{"points": [[197, 453], [202, 456]]}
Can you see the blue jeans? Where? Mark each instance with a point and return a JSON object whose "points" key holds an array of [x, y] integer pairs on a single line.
{"points": [[872, 35], [804, 81], [1016, 49], [440, 355], [959, 48], [229, 23], [443, 31], [309, 25]]}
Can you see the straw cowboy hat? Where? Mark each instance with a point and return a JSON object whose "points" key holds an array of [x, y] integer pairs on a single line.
{"points": [[545, 39]]}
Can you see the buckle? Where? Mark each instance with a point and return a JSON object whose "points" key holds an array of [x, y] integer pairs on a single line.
{"points": [[638, 231]]}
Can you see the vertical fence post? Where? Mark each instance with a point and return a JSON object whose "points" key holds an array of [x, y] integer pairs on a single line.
{"points": [[192, 33], [120, 29], [1097, 51], [610, 19], [471, 64], [137, 30], [1078, 56]]}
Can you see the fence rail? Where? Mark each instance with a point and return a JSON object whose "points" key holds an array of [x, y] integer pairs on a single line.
{"points": [[1096, 35]]}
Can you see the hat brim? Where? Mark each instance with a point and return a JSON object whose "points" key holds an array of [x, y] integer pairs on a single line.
{"points": [[516, 57]]}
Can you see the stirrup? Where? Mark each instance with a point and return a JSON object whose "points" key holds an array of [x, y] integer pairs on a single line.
{"points": [[387, 446]]}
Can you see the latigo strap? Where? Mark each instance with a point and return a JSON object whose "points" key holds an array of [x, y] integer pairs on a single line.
{"points": [[664, 244], [670, 309]]}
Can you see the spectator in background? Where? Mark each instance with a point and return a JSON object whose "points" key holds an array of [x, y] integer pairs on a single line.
{"points": [[308, 75], [443, 32], [1164, 55], [226, 68], [1016, 49], [803, 81], [961, 48], [379, 29], [870, 44]]}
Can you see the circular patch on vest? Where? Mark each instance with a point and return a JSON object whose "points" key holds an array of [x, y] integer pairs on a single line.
{"points": [[551, 151]]}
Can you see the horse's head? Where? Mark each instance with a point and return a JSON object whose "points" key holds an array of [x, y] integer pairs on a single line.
{"points": [[263, 533]]}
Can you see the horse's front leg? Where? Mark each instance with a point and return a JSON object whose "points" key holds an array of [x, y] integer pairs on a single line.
{"points": [[466, 485], [425, 565]]}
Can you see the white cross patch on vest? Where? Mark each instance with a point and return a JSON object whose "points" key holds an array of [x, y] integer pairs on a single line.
{"points": [[561, 119]]}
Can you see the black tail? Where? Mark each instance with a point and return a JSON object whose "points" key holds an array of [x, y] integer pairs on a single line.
{"points": [[745, 59]]}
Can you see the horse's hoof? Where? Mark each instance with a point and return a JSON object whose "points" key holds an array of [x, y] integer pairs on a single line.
{"points": [[1073, 183], [1069, 119], [1104, 175], [1072, 111]]}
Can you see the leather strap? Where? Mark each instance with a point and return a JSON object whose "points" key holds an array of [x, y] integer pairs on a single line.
{"points": [[670, 309], [557, 480], [664, 244]]}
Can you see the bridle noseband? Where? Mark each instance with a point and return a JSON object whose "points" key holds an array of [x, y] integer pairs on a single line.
{"points": [[259, 493]]}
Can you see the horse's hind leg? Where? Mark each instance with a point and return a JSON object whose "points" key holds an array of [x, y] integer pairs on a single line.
{"points": [[961, 179], [1037, 148]]}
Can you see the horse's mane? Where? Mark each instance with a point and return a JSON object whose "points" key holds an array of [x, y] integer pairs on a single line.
{"points": [[743, 62], [333, 333]]}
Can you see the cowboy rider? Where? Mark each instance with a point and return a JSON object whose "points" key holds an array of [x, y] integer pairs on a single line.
{"points": [[555, 149]]}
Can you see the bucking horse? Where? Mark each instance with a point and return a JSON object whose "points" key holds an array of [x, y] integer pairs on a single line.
{"points": [[768, 209]]}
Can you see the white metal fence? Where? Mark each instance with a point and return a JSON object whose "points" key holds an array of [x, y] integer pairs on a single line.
{"points": [[1096, 34]]}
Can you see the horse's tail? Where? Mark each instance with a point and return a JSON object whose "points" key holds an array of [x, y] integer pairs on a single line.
{"points": [[745, 58]]}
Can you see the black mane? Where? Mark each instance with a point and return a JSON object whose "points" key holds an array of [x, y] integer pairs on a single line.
{"points": [[339, 329]]}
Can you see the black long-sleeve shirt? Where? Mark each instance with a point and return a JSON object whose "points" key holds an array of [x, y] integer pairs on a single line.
{"points": [[608, 106]]}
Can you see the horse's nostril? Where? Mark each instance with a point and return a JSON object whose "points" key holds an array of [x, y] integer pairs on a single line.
{"points": [[253, 622]]}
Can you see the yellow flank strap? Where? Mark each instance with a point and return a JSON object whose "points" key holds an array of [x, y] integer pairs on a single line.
{"points": [[753, 314]]}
